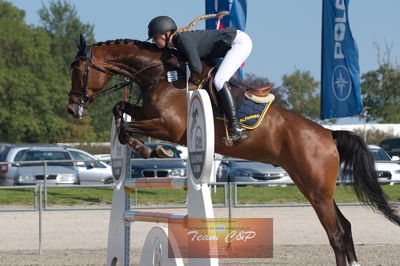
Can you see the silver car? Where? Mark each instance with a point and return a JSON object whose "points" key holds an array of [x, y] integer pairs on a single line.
{"points": [[237, 170], [387, 168], [90, 170], [30, 169]]}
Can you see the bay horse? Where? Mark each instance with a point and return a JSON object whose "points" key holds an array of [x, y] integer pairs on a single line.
{"points": [[310, 153]]}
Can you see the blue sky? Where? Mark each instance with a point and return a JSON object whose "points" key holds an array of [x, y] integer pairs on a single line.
{"points": [[286, 33]]}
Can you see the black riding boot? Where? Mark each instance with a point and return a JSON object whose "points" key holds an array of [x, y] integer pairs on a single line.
{"points": [[229, 107]]}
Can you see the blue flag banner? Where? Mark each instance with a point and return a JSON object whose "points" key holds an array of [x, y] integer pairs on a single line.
{"points": [[340, 71], [213, 7], [239, 14], [237, 17]]}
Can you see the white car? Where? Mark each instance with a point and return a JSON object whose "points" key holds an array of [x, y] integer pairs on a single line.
{"points": [[387, 168], [105, 158], [90, 170]]}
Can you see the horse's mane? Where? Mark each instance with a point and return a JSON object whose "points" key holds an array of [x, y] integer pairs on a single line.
{"points": [[168, 52], [140, 44]]}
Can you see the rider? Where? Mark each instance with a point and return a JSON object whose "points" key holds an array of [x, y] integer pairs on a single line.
{"points": [[231, 44]]}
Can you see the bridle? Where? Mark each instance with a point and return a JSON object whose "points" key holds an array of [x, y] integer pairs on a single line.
{"points": [[84, 97]]}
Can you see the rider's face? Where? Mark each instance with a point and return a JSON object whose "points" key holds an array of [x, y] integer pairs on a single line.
{"points": [[159, 40]]}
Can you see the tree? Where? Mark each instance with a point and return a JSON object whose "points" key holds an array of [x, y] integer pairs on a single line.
{"points": [[61, 22], [381, 92], [33, 85], [27, 81], [302, 94]]}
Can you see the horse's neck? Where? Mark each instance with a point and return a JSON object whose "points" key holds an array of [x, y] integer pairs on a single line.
{"points": [[128, 60]]}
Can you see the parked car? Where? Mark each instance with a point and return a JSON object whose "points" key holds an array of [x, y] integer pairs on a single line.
{"points": [[391, 146], [159, 167], [387, 168], [90, 170], [33, 173], [3, 145], [236, 170], [106, 158]]}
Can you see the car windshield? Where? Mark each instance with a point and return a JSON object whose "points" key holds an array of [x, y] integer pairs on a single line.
{"points": [[380, 155], [31, 155], [78, 155], [3, 147], [3, 154]]}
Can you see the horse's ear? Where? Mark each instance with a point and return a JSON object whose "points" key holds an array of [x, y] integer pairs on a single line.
{"points": [[82, 42]]}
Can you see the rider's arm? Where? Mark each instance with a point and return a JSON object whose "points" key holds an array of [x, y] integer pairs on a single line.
{"points": [[188, 47]]}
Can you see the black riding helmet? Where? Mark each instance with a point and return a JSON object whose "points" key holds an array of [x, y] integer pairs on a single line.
{"points": [[161, 24]]}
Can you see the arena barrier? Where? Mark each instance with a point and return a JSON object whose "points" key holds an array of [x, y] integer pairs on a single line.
{"points": [[199, 169]]}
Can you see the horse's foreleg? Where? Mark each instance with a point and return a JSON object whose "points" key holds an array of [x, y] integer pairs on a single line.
{"points": [[124, 136], [155, 128], [139, 148], [121, 108]]}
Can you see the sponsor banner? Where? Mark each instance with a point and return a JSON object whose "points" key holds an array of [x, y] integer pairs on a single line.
{"points": [[213, 7], [340, 72], [222, 238]]}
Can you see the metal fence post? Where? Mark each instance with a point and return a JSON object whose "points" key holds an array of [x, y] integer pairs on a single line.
{"points": [[136, 197], [35, 198], [40, 219], [235, 195], [45, 185]]}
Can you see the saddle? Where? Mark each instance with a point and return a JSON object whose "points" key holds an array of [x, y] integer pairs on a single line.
{"points": [[258, 94]]}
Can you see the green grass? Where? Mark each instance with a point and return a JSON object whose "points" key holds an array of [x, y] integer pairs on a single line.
{"points": [[274, 195], [79, 196], [20, 196], [246, 195]]}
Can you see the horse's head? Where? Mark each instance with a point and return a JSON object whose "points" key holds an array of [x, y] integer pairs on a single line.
{"points": [[88, 78], [139, 62]]}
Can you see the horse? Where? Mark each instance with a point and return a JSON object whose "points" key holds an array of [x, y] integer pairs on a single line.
{"points": [[310, 153]]}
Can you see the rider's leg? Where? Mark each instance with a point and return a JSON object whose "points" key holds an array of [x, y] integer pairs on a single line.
{"points": [[234, 58], [229, 107]]}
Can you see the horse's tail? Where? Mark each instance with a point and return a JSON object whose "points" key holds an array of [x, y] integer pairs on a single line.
{"points": [[357, 159]]}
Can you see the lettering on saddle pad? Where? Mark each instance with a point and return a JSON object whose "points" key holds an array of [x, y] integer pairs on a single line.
{"points": [[250, 113]]}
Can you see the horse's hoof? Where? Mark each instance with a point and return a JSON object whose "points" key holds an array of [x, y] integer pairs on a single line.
{"points": [[118, 109], [123, 135], [164, 152], [123, 139]]}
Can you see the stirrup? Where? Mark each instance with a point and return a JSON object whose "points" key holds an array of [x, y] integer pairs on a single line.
{"points": [[234, 135], [237, 133]]}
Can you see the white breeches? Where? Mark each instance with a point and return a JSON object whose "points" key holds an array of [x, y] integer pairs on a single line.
{"points": [[234, 58]]}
